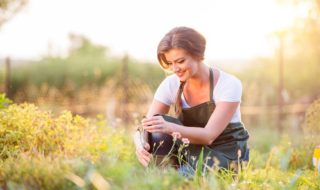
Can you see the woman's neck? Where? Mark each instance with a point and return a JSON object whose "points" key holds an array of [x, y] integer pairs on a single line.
{"points": [[201, 78]]}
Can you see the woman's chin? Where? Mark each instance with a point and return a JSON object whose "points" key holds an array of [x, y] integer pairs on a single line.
{"points": [[182, 79]]}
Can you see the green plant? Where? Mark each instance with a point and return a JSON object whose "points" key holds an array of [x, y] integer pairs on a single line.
{"points": [[4, 102]]}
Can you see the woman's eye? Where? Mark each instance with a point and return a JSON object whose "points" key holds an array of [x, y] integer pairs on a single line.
{"points": [[181, 61]]}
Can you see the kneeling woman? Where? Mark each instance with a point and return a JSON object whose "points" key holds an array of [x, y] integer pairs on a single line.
{"points": [[207, 103]]}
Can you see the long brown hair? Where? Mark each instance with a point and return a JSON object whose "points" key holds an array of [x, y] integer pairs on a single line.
{"points": [[185, 38]]}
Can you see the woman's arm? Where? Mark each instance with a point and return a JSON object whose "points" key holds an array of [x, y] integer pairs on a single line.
{"points": [[217, 123], [155, 108], [142, 147]]}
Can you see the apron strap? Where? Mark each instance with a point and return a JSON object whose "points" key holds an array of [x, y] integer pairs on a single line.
{"points": [[211, 84]]}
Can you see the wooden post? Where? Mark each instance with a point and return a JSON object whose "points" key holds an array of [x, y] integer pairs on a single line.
{"points": [[281, 82], [125, 89], [8, 78]]}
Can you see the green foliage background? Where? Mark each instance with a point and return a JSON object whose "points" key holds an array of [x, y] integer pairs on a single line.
{"points": [[40, 150]]}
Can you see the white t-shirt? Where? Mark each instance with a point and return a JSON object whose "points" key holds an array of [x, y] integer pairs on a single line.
{"points": [[227, 89]]}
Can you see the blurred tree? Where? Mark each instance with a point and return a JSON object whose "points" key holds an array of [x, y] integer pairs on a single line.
{"points": [[8, 8], [304, 52], [301, 58], [82, 46]]}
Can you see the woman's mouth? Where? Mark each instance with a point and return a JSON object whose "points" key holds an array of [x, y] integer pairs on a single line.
{"points": [[179, 74]]}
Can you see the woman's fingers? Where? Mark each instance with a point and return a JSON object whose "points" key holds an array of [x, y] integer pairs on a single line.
{"points": [[143, 162], [155, 131], [147, 120], [152, 120], [146, 146], [143, 155], [143, 151], [154, 124], [154, 128]]}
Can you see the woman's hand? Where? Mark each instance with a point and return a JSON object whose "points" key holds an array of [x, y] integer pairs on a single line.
{"points": [[157, 124], [142, 153]]}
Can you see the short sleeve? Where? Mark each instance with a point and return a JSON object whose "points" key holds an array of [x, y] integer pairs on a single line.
{"points": [[230, 90], [166, 91]]}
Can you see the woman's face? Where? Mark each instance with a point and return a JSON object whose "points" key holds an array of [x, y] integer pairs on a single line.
{"points": [[181, 63]]}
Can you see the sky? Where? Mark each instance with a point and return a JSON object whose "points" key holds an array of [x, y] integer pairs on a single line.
{"points": [[234, 29]]}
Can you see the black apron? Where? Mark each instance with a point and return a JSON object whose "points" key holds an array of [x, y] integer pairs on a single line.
{"points": [[225, 148], [221, 152]]}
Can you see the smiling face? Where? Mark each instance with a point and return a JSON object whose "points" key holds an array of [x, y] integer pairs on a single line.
{"points": [[190, 42], [181, 63]]}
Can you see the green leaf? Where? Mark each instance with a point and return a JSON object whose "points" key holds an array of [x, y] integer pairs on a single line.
{"points": [[4, 102], [199, 165]]}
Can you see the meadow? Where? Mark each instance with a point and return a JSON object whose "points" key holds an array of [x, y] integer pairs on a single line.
{"points": [[66, 121], [42, 150], [70, 121]]}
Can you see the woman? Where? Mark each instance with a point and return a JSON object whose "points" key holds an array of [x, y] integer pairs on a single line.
{"points": [[207, 103]]}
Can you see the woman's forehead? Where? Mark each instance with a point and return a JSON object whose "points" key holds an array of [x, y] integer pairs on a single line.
{"points": [[175, 53]]}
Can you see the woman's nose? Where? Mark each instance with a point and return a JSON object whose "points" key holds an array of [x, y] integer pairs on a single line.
{"points": [[175, 68]]}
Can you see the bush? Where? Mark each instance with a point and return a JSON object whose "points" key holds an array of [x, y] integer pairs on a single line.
{"points": [[312, 119], [42, 151], [4, 102]]}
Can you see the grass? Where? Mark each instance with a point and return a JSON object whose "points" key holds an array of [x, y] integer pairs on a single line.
{"points": [[43, 151]]}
